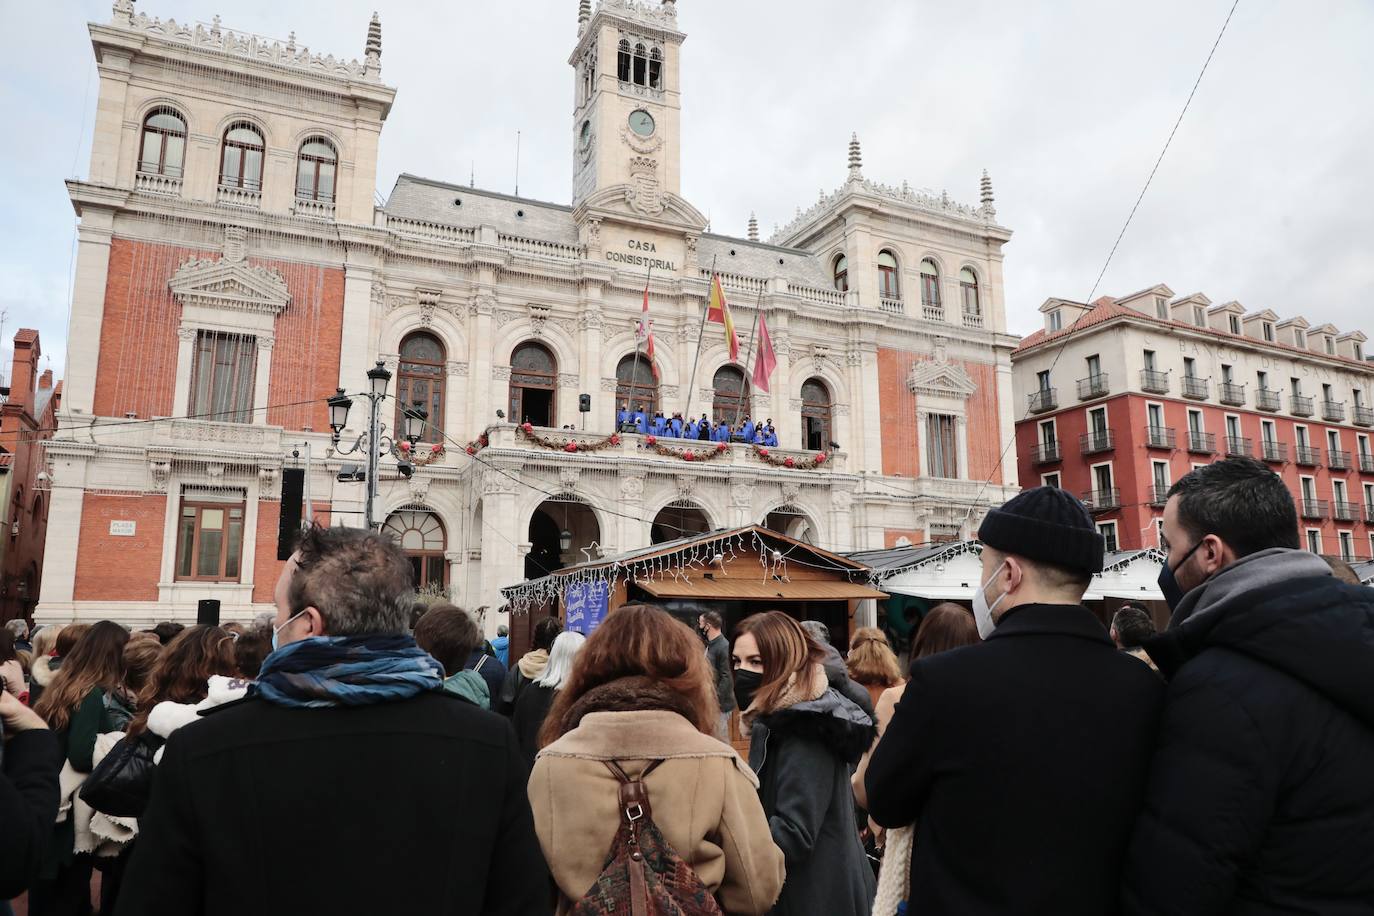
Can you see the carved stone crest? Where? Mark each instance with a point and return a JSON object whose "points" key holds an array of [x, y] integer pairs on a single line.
{"points": [[686, 486], [569, 477], [632, 486], [742, 495], [159, 471], [644, 195]]}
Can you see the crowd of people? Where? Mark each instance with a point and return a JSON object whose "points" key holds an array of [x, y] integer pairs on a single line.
{"points": [[361, 753], [741, 429]]}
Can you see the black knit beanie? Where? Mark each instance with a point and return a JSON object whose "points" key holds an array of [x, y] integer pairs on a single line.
{"points": [[1046, 524]]}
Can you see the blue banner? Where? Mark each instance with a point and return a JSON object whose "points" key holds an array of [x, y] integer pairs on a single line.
{"points": [[585, 606]]}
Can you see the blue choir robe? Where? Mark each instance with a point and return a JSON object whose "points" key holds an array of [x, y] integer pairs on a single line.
{"points": [[641, 423], [621, 418], [676, 425], [692, 430], [660, 426], [747, 431], [758, 437], [772, 439]]}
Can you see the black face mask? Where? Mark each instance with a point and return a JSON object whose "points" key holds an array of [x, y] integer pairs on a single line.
{"points": [[1168, 585], [747, 683]]}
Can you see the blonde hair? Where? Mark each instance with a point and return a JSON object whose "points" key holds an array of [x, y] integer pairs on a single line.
{"points": [[45, 640], [871, 660]]}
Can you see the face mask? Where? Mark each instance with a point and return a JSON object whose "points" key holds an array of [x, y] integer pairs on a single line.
{"points": [[982, 611], [747, 683], [277, 630], [1168, 584]]}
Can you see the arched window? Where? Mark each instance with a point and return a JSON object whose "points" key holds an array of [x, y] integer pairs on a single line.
{"points": [[842, 274], [641, 65], [930, 284], [421, 537], [533, 378], [164, 143], [622, 61], [655, 69], [240, 164], [635, 385], [968, 289], [420, 379], [732, 395], [315, 170], [815, 397], [888, 287]]}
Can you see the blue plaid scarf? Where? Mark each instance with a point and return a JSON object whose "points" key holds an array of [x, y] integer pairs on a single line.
{"points": [[347, 671]]}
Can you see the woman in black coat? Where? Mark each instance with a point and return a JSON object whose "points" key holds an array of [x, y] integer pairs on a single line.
{"points": [[804, 737], [532, 705]]}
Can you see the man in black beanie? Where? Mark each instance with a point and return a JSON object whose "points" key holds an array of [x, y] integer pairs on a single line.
{"points": [[1022, 760]]}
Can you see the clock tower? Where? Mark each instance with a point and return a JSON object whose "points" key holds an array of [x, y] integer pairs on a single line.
{"points": [[627, 107]]}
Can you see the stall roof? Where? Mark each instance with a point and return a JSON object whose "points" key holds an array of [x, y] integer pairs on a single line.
{"points": [[736, 588], [894, 559], [1365, 571]]}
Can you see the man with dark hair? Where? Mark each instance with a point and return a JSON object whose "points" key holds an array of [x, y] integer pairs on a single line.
{"points": [[250, 650], [998, 751], [167, 631], [718, 654], [530, 667], [450, 635], [1131, 627], [1259, 799], [347, 780]]}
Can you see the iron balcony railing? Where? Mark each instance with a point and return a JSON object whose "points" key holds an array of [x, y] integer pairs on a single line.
{"points": [[1094, 386], [1343, 511], [1267, 399], [1043, 400], [1274, 451], [1239, 445], [1366, 463], [1369, 513], [1101, 500], [1300, 406], [1314, 508], [1362, 416], [1196, 388], [1333, 411], [1338, 459], [1046, 453], [1308, 456], [1160, 437], [1097, 440], [1159, 494], [1154, 381], [1232, 394], [1202, 443]]}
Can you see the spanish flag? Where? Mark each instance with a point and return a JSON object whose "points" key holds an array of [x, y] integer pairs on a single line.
{"points": [[719, 311]]}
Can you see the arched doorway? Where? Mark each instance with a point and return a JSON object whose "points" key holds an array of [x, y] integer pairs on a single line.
{"points": [[731, 401], [793, 522], [420, 380], [560, 528], [533, 381], [815, 398], [680, 518], [421, 536], [635, 385]]}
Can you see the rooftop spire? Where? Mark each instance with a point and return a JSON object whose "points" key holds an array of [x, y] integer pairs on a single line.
{"points": [[584, 15], [856, 159], [753, 228], [124, 12], [373, 57], [988, 209]]}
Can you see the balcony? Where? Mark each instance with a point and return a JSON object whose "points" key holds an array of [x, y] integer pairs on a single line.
{"points": [[1094, 386], [1309, 457], [1268, 399], [239, 197], [932, 312], [1196, 388], [1369, 513], [1099, 440], [1159, 494], [1154, 381], [1300, 406], [1338, 459], [1312, 508], [1362, 416], [1239, 446], [1102, 500], [973, 320], [157, 184], [313, 209], [1202, 443], [1046, 453], [1274, 452], [1343, 511], [1333, 411], [1043, 400], [1366, 463], [1160, 437], [1232, 394]]}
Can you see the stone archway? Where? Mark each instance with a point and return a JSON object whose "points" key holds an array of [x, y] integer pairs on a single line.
{"points": [[794, 522], [680, 518], [558, 521]]}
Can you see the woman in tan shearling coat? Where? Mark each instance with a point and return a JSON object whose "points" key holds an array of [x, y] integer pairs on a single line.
{"points": [[640, 691]]}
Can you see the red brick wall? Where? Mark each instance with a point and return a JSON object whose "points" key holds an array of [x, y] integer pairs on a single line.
{"points": [[266, 567], [305, 360], [897, 406], [119, 568]]}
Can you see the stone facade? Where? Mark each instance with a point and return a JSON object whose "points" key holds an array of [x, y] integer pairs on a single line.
{"points": [[302, 295]]}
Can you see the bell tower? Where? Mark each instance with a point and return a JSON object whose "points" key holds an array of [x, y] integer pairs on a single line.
{"points": [[627, 102]]}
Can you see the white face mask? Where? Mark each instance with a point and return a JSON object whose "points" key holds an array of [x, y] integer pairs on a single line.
{"points": [[982, 611], [276, 631]]}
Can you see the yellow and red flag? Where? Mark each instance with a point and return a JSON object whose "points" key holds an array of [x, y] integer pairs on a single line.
{"points": [[718, 311]]}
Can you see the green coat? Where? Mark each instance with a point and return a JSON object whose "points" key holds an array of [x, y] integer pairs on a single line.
{"points": [[77, 742]]}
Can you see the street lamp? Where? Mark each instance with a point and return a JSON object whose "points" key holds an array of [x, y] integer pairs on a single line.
{"points": [[565, 540], [377, 378], [415, 416], [373, 442], [339, 404]]}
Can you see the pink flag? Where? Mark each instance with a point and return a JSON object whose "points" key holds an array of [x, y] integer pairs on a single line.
{"points": [[766, 361]]}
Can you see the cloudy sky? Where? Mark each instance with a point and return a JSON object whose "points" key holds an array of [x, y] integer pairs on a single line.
{"points": [[1265, 197]]}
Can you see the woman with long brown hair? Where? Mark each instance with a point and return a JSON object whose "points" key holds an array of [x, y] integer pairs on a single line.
{"points": [[640, 692], [804, 736], [74, 706], [182, 677], [872, 662]]}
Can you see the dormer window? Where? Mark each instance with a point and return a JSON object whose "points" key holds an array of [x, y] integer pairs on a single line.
{"points": [[1300, 338], [1331, 345], [1056, 320], [1161, 308], [1268, 329], [1359, 350], [1199, 316], [842, 273], [1235, 324]]}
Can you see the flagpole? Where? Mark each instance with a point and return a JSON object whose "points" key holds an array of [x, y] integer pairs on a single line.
{"points": [[758, 310], [639, 325], [701, 332]]}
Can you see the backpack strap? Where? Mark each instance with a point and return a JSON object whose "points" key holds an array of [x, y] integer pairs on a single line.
{"points": [[634, 805], [480, 662]]}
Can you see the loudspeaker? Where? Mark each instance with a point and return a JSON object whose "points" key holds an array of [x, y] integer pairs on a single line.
{"points": [[292, 486], [584, 403], [207, 611]]}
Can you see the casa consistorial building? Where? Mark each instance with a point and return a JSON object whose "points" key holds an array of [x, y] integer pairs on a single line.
{"points": [[234, 270]]}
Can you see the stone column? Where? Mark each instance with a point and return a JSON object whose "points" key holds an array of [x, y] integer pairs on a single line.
{"points": [[502, 562], [263, 376], [357, 349], [88, 309], [63, 536], [181, 390], [483, 401], [110, 113], [454, 420], [1006, 419], [631, 525], [786, 418], [961, 443]]}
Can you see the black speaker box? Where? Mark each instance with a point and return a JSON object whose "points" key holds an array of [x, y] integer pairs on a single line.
{"points": [[292, 487]]}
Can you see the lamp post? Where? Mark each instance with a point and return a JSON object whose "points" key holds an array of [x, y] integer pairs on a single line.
{"points": [[375, 444]]}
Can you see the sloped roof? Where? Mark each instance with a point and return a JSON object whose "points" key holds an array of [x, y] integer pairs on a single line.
{"points": [[430, 201]]}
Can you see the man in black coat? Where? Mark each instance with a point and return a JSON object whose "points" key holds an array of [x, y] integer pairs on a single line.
{"points": [[1022, 760], [1261, 799], [347, 783], [709, 624]]}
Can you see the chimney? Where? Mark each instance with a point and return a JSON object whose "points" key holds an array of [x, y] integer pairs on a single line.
{"points": [[25, 373], [45, 380]]}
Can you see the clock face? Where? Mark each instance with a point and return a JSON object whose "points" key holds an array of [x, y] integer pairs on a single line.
{"points": [[642, 123], [586, 134]]}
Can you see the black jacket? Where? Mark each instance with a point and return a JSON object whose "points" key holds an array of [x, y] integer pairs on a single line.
{"points": [[1261, 795], [802, 755], [718, 654], [414, 806], [492, 671], [837, 673], [1022, 760], [28, 807], [531, 709]]}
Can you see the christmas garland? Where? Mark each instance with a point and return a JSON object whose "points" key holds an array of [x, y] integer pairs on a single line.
{"points": [[476, 445], [710, 451], [564, 444], [420, 457], [698, 454], [805, 464]]}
